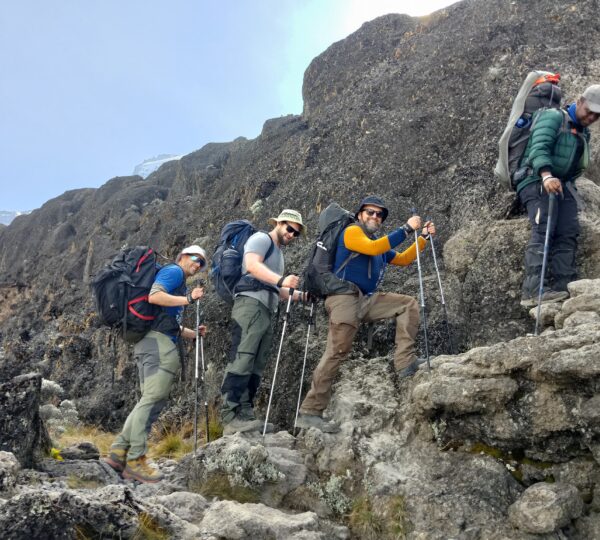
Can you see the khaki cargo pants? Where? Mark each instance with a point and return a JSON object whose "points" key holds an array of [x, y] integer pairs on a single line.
{"points": [[158, 363], [346, 312]]}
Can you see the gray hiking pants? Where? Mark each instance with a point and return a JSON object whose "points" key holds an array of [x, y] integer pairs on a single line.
{"points": [[158, 363], [251, 337]]}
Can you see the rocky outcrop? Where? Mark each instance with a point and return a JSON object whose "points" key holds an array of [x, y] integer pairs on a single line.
{"points": [[499, 442], [21, 430], [407, 108]]}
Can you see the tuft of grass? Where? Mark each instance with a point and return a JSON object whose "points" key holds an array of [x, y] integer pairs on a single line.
{"points": [[364, 522], [385, 520], [218, 485], [172, 445], [149, 529], [74, 482]]}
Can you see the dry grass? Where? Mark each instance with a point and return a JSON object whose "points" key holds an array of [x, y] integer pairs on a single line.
{"points": [[74, 435]]}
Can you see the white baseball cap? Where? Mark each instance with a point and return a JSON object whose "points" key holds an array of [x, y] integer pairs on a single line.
{"points": [[194, 250], [592, 97]]}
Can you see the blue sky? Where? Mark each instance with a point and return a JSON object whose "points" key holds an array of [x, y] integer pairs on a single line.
{"points": [[89, 89]]}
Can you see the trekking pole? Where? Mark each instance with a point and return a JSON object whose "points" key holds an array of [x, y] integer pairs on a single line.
{"points": [[285, 321], [423, 314], [445, 311], [205, 389], [551, 205], [311, 321], [196, 376]]}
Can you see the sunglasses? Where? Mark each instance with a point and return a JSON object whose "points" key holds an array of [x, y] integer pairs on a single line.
{"points": [[293, 231], [376, 213], [198, 259]]}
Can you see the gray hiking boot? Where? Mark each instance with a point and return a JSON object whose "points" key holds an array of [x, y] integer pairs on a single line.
{"points": [[411, 369], [247, 414], [306, 421], [238, 425], [548, 297]]}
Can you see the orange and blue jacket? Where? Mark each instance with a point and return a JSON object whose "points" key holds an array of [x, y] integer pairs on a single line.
{"points": [[362, 260]]}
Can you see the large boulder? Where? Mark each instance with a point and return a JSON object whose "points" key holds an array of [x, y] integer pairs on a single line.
{"points": [[22, 432]]}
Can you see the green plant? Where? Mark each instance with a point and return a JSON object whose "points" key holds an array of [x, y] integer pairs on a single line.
{"points": [[385, 519], [218, 485], [149, 529], [74, 482]]}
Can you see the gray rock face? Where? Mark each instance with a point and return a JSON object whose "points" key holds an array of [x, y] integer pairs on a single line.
{"points": [[21, 430], [407, 108], [9, 467], [228, 519], [543, 508]]}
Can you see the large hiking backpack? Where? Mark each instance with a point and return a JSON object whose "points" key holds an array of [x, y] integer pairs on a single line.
{"points": [[319, 280], [226, 265], [121, 292], [540, 90]]}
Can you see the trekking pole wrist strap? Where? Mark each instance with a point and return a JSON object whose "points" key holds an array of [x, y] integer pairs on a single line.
{"points": [[190, 298], [280, 282], [549, 178]]}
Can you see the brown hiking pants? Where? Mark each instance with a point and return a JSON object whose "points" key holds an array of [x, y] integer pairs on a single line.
{"points": [[346, 312]]}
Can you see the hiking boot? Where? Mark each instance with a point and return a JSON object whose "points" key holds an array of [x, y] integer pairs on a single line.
{"points": [[549, 296], [238, 425], [246, 413], [142, 470], [306, 421], [117, 459], [411, 369]]}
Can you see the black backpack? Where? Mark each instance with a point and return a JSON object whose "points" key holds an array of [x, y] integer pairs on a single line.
{"points": [[319, 280], [121, 292], [226, 265], [540, 90]]}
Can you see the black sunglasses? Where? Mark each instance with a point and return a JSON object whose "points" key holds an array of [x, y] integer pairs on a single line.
{"points": [[291, 230], [198, 259], [376, 213]]}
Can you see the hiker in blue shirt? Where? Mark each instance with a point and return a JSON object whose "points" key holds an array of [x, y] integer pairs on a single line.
{"points": [[158, 362]]}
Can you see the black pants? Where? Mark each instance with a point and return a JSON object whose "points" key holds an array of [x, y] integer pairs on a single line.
{"points": [[564, 231]]}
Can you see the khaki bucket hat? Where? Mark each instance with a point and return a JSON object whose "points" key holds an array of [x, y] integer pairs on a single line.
{"points": [[289, 215]]}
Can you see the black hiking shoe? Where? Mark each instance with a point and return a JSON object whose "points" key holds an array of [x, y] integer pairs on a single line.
{"points": [[306, 421], [411, 369]]}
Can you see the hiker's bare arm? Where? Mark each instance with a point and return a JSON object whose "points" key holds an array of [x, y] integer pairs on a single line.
{"points": [[188, 333], [164, 299], [255, 265]]}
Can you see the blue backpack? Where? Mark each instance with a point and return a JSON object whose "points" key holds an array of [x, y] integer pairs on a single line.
{"points": [[226, 266]]}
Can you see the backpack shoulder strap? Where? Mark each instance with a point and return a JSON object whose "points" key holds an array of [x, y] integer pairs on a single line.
{"points": [[271, 248]]}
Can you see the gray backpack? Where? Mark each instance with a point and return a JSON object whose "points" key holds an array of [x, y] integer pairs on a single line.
{"points": [[540, 90]]}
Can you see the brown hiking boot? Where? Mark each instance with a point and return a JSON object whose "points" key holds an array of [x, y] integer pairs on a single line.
{"points": [[117, 459], [142, 470]]}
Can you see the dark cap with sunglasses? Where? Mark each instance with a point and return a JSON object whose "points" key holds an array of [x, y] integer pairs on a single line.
{"points": [[373, 200]]}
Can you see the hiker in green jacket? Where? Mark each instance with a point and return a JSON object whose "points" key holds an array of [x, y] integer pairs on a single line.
{"points": [[556, 155]]}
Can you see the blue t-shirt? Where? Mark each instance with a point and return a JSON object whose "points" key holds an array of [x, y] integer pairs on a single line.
{"points": [[171, 280]]}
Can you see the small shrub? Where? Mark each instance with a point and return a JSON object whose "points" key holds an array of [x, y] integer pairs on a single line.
{"points": [[218, 485], [149, 529]]}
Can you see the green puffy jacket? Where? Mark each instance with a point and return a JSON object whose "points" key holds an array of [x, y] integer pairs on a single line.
{"points": [[553, 144]]}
